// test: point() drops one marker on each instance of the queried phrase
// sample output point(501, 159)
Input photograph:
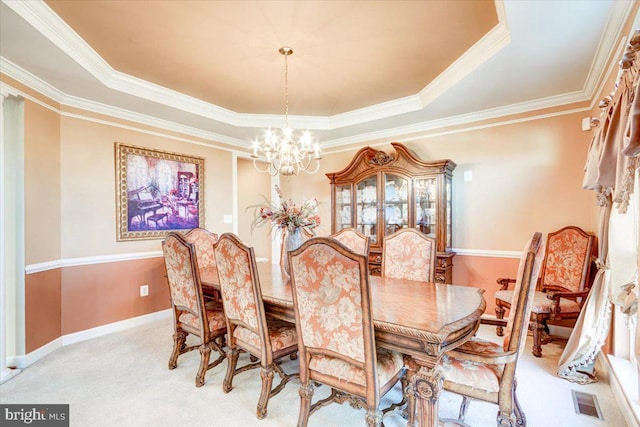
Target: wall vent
point(586, 404)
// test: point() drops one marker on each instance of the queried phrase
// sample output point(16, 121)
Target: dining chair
point(409, 254)
point(190, 313)
point(332, 305)
point(564, 283)
point(248, 327)
point(353, 239)
point(485, 370)
point(203, 241)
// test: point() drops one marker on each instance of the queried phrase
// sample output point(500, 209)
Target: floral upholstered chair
point(332, 305)
point(409, 254)
point(563, 286)
point(484, 370)
point(203, 241)
point(249, 329)
point(354, 240)
point(190, 314)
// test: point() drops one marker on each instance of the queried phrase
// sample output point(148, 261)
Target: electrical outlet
point(144, 290)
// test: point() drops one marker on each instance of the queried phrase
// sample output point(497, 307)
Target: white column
point(5, 372)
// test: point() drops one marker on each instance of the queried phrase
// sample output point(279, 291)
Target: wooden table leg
point(425, 385)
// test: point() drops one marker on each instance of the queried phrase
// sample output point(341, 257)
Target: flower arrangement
point(285, 214)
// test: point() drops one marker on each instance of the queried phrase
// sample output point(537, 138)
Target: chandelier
point(285, 151)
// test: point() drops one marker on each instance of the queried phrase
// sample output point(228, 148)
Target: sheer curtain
point(610, 171)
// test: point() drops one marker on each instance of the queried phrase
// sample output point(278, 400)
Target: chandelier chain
point(286, 90)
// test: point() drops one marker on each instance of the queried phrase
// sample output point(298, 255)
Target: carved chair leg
point(537, 328)
point(499, 315)
point(506, 420)
point(232, 361)
point(267, 380)
point(521, 420)
point(205, 354)
point(306, 394)
point(179, 339)
point(404, 383)
point(411, 400)
point(463, 408)
point(373, 417)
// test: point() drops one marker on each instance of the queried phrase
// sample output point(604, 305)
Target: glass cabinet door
point(425, 197)
point(343, 207)
point(396, 207)
point(366, 208)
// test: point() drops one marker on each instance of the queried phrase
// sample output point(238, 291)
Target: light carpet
point(122, 379)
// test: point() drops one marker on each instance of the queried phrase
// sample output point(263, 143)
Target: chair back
point(567, 261)
point(332, 305)
point(203, 241)
point(409, 254)
point(183, 278)
point(520, 313)
point(353, 239)
point(240, 288)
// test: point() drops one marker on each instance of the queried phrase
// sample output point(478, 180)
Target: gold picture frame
point(157, 192)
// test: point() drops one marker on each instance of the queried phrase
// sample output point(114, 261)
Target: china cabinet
point(379, 193)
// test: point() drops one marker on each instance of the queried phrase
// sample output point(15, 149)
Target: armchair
point(485, 370)
point(563, 286)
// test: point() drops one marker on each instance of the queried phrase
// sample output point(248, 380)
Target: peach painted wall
point(99, 294)
point(253, 187)
point(43, 308)
point(88, 186)
point(43, 312)
point(482, 272)
point(42, 183)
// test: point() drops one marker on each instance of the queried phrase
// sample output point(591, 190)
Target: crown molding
point(23, 76)
point(26, 78)
point(620, 12)
point(492, 113)
point(49, 24)
point(43, 19)
point(490, 44)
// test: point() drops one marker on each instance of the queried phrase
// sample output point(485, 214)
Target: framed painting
point(157, 192)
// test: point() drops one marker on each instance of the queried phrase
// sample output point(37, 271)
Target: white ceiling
point(541, 54)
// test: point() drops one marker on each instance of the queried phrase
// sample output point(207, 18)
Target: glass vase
point(292, 240)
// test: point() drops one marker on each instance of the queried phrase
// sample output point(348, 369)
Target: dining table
point(421, 320)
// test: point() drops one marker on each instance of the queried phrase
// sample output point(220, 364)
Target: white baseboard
point(623, 380)
point(22, 362)
point(6, 374)
point(114, 327)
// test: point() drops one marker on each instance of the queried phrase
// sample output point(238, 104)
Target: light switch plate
point(227, 219)
point(468, 175)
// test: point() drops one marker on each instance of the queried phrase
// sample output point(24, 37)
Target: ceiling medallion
point(286, 153)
